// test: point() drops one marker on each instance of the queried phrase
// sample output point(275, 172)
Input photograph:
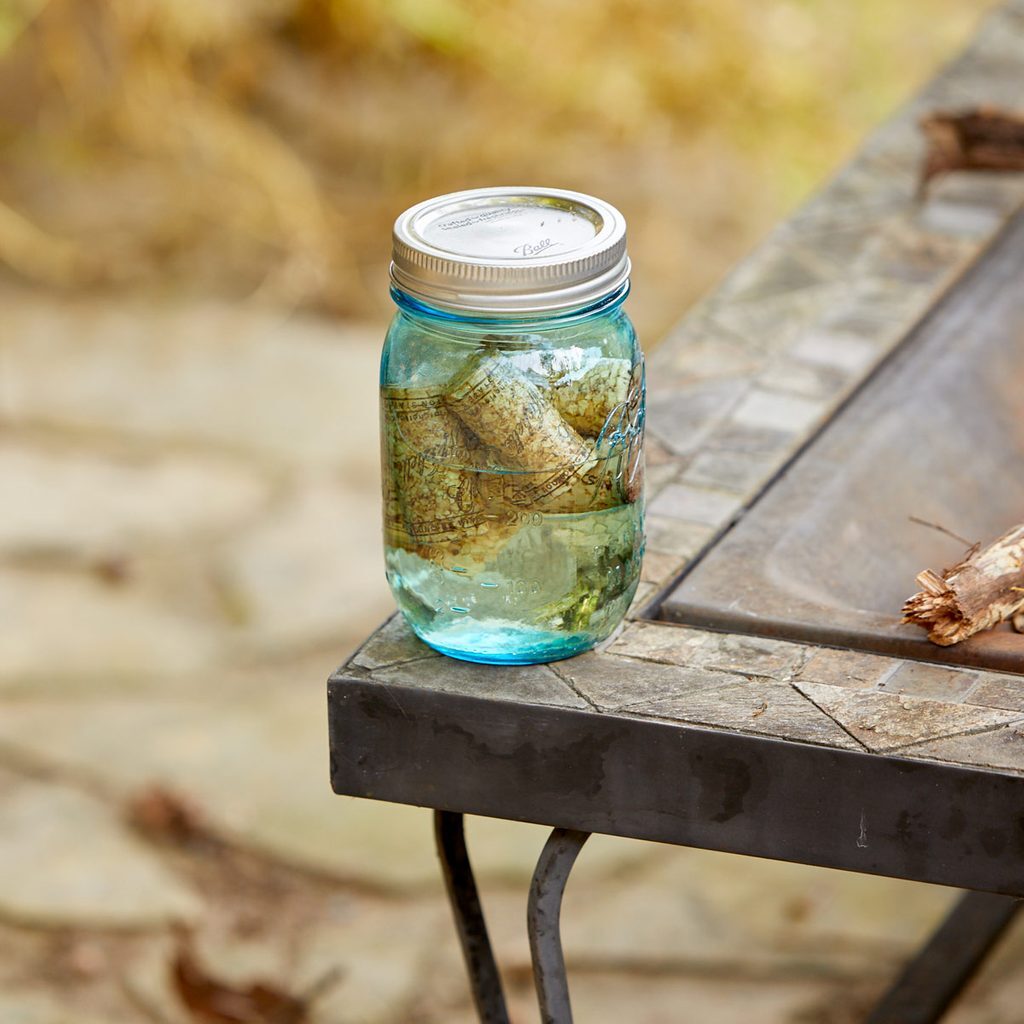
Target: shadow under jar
point(512, 414)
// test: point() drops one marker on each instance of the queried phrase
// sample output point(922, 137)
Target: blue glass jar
point(512, 413)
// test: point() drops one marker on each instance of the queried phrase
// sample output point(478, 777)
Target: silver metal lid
point(510, 250)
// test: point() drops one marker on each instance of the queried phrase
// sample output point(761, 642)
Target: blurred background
point(195, 208)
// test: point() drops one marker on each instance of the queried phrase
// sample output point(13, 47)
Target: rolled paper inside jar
point(586, 488)
point(429, 427)
point(510, 414)
point(585, 402)
point(435, 501)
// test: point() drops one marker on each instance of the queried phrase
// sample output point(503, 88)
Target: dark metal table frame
point(925, 990)
point(732, 792)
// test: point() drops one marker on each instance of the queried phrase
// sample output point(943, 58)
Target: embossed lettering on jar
point(512, 416)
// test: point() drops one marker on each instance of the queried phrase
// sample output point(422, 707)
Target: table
point(743, 722)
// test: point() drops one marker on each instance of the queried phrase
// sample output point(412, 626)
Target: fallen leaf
point(165, 815)
point(211, 1000)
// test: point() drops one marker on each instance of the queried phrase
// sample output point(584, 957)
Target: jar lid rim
point(515, 249)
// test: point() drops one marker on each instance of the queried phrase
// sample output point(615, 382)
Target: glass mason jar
point(512, 416)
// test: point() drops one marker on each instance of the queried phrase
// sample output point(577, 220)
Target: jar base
point(506, 645)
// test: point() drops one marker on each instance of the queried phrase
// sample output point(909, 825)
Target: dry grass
point(264, 146)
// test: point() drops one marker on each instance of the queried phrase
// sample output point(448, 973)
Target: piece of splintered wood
point(982, 139)
point(978, 593)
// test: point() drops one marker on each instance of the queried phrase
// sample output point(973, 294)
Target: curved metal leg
point(543, 922)
point(484, 979)
point(936, 976)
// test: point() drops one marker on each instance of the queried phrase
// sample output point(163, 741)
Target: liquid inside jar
point(513, 487)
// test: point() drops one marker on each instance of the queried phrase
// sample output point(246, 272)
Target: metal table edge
point(681, 784)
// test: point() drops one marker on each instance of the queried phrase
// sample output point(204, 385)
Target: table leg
point(484, 979)
point(543, 922)
point(934, 978)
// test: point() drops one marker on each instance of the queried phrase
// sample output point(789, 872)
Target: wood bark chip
point(979, 592)
point(981, 139)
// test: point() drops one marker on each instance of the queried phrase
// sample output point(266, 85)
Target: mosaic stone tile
point(876, 326)
point(846, 353)
point(393, 643)
point(884, 721)
point(528, 684)
point(613, 682)
point(681, 421)
point(758, 706)
point(702, 361)
point(905, 254)
point(843, 207)
point(659, 566)
point(661, 641)
point(836, 246)
point(849, 669)
point(682, 645)
point(696, 504)
point(775, 411)
point(884, 175)
point(737, 437)
point(962, 219)
point(701, 350)
point(916, 679)
point(774, 321)
point(904, 304)
point(984, 75)
point(992, 691)
point(780, 271)
point(656, 454)
point(657, 478)
point(751, 655)
point(1001, 748)
point(668, 534)
point(897, 141)
point(740, 472)
point(795, 378)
